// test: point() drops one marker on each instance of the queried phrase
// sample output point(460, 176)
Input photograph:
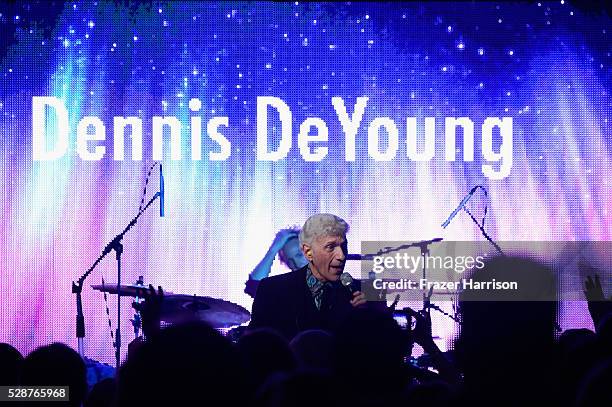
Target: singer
point(312, 296)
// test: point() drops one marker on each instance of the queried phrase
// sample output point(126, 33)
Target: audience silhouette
point(509, 352)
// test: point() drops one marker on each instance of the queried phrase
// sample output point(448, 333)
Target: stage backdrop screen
point(262, 114)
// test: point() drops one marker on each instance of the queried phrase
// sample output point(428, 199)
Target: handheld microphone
point(161, 191)
point(461, 205)
point(347, 281)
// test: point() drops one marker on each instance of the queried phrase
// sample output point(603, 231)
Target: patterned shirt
point(317, 287)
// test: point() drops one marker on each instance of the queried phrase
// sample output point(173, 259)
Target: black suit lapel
point(307, 314)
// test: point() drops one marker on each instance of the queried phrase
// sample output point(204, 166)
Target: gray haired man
point(312, 296)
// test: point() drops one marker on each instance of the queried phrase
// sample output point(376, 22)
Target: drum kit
point(226, 317)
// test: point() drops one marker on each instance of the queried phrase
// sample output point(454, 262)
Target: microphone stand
point(484, 233)
point(427, 296)
point(77, 288)
point(370, 256)
point(463, 205)
point(424, 246)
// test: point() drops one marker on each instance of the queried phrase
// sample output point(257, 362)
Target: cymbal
point(216, 312)
point(128, 290)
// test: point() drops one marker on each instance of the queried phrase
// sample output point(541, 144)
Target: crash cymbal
point(131, 290)
point(216, 312)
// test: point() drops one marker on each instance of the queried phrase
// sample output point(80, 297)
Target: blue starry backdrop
point(546, 65)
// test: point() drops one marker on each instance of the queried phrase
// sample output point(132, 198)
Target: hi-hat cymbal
point(216, 312)
point(128, 290)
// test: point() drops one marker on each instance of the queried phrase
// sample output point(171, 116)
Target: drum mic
point(161, 191)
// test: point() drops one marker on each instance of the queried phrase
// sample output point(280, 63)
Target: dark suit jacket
point(285, 303)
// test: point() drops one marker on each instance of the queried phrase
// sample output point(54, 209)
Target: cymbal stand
point(77, 288)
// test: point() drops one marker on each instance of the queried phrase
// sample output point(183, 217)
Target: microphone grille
point(346, 279)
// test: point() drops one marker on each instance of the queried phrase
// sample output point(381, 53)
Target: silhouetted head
point(102, 394)
point(264, 352)
point(604, 336)
point(313, 349)
point(185, 362)
point(436, 393)
point(11, 362)
point(57, 365)
point(578, 354)
point(595, 388)
point(520, 318)
point(504, 333)
point(369, 345)
point(302, 389)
